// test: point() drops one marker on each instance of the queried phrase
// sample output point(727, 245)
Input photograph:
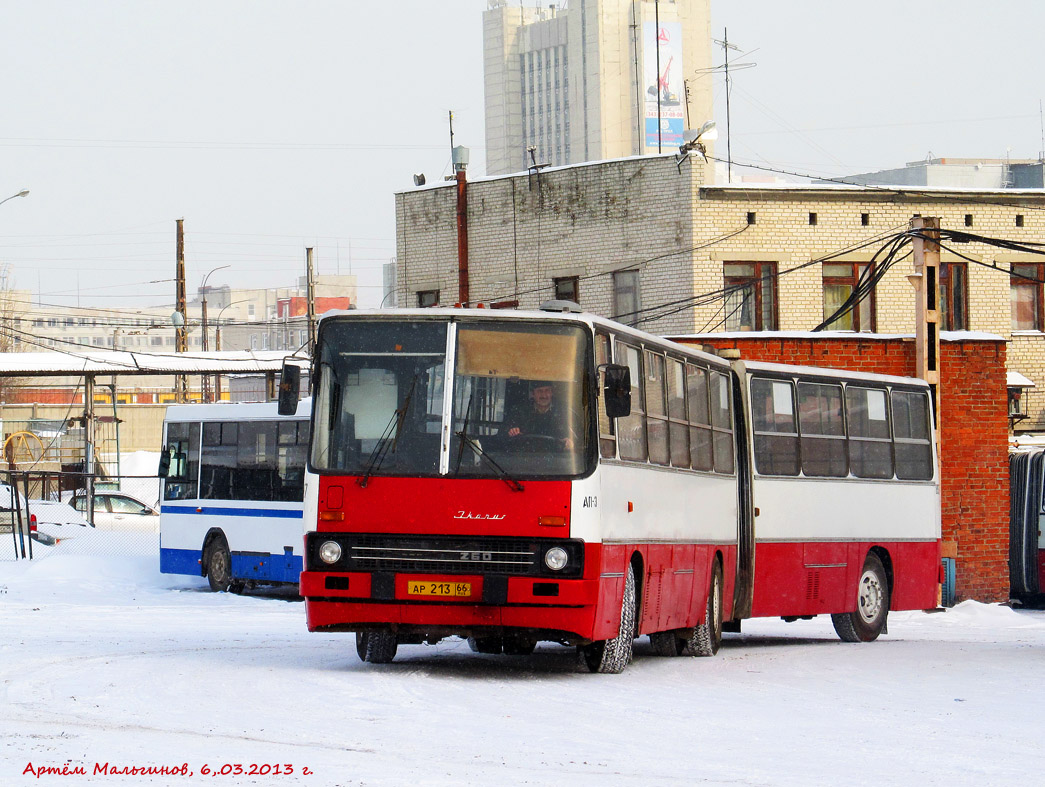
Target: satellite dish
point(419, 179)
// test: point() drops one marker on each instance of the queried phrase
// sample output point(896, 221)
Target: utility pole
point(460, 159)
point(926, 280)
point(181, 343)
point(310, 294)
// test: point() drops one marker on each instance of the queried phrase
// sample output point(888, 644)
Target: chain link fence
point(52, 513)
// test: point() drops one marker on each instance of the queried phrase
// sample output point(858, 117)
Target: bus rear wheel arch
point(873, 594)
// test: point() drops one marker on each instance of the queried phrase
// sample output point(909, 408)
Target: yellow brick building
point(644, 240)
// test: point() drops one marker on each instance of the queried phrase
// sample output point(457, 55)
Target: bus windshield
point(519, 404)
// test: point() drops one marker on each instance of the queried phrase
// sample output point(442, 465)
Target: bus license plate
point(443, 589)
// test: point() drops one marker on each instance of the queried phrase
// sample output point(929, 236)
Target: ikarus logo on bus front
point(470, 515)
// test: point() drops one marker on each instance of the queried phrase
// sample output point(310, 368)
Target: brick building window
point(427, 298)
point(626, 297)
point(567, 288)
point(840, 280)
point(1025, 296)
point(751, 302)
point(954, 296)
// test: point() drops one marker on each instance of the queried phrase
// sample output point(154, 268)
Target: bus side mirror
point(165, 465)
point(617, 390)
point(289, 389)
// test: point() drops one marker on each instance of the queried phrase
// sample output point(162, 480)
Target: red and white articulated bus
point(515, 477)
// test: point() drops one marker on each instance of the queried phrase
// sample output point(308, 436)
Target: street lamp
point(22, 193)
point(203, 309)
point(217, 343)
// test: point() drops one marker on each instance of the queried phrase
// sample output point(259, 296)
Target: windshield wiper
point(503, 474)
point(462, 435)
point(387, 440)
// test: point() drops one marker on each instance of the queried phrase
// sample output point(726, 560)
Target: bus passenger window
point(678, 431)
point(870, 448)
point(914, 458)
point(699, 418)
point(631, 431)
point(722, 423)
point(656, 414)
point(773, 422)
point(823, 430)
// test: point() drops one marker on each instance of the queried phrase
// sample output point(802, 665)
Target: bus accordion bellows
point(515, 477)
point(234, 481)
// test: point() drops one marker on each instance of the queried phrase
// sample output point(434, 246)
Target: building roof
point(53, 364)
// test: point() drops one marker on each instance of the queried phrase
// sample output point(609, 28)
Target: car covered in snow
point(49, 520)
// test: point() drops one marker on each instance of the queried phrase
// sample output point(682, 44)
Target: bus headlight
point(330, 552)
point(556, 558)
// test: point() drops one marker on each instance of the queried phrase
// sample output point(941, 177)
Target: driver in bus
point(544, 418)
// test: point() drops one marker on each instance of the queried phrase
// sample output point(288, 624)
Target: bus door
point(744, 587)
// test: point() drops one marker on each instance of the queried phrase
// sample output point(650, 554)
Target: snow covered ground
point(104, 660)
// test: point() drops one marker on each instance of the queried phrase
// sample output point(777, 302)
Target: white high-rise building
point(588, 80)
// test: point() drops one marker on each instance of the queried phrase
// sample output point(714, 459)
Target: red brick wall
point(974, 466)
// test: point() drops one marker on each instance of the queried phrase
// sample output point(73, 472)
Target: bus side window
point(773, 422)
point(699, 418)
point(722, 423)
point(607, 437)
point(823, 430)
point(656, 412)
point(678, 430)
point(631, 431)
point(914, 458)
point(870, 446)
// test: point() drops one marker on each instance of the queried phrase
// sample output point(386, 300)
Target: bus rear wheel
point(872, 605)
point(376, 647)
point(611, 656)
point(218, 562)
point(707, 637)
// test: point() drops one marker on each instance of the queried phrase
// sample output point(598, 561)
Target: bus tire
point(872, 605)
point(218, 563)
point(381, 647)
point(488, 645)
point(708, 635)
point(611, 656)
point(667, 643)
point(519, 645)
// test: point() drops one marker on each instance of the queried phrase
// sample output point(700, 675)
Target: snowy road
point(104, 660)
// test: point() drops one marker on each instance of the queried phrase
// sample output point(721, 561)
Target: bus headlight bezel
point(556, 559)
point(329, 552)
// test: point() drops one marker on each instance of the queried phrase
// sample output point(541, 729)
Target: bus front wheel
point(872, 605)
point(218, 562)
point(376, 647)
point(611, 656)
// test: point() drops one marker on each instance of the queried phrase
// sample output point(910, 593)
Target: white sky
point(269, 126)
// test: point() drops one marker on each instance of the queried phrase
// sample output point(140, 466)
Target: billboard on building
point(665, 84)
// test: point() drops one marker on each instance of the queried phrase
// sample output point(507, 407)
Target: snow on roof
point(1017, 380)
point(51, 364)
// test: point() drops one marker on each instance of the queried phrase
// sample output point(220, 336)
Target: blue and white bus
point(233, 493)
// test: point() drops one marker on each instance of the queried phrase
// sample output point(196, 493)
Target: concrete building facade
point(584, 82)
